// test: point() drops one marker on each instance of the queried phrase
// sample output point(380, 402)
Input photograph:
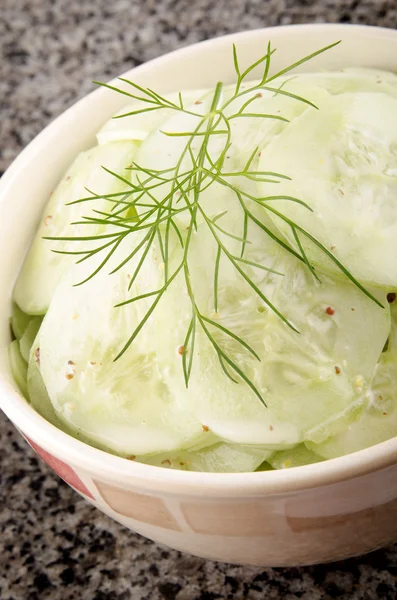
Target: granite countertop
point(53, 544)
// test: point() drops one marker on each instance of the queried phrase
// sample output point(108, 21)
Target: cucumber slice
point(348, 175)
point(40, 399)
point(378, 422)
point(219, 458)
point(295, 457)
point(138, 126)
point(30, 333)
point(19, 321)
point(43, 268)
point(122, 405)
point(38, 394)
point(18, 367)
point(352, 80)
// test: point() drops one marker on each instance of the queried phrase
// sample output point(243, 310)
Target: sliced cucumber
point(29, 336)
point(295, 457)
point(316, 383)
point(123, 405)
point(43, 268)
point(219, 458)
point(347, 174)
point(19, 321)
point(137, 126)
point(38, 394)
point(18, 367)
point(40, 399)
point(352, 80)
point(378, 422)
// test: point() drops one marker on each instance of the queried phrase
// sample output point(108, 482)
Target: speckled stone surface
point(53, 544)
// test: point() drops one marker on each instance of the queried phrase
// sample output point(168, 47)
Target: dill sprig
point(155, 199)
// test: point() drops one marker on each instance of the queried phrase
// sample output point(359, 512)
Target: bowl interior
point(25, 188)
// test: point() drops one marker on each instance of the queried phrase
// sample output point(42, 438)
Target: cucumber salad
point(212, 286)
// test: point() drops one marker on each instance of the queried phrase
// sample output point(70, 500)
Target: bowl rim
point(115, 468)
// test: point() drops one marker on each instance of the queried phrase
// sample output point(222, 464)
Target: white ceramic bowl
point(309, 514)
